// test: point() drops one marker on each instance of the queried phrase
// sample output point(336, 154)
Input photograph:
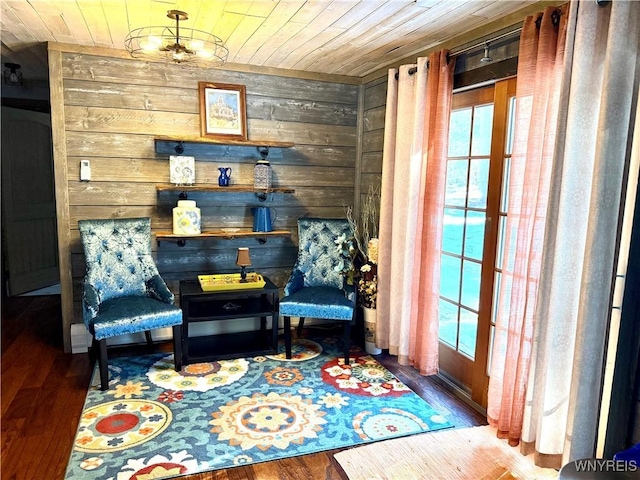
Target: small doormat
point(155, 422)
point(463, 453)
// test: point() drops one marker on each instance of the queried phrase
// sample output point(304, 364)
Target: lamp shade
point(243, 259)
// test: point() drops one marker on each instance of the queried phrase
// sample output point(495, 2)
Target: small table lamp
point(243, 260)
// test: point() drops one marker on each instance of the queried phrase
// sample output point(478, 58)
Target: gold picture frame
point(223, 110)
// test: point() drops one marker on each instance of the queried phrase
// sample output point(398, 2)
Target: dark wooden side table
point(200, 306)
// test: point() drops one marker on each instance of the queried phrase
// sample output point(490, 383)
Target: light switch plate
point(85, 170)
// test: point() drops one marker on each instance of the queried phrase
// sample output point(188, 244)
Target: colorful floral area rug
point(155, 422)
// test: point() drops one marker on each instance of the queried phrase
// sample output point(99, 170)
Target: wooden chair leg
point(347, 341)
point(147, 336)
point(300, 326)
point(102, 363)
point(177, 347)
point(287, 336)
point(94, 351)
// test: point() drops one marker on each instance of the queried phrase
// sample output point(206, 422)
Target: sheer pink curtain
point(541, 54)
point(598, 104)
point(413, 177)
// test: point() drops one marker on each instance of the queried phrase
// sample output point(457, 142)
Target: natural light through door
point(473, 227)
point(465, 215)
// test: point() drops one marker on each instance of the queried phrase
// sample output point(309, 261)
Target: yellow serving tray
point(230, 281)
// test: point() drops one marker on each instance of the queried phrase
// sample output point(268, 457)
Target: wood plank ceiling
point(343, 37)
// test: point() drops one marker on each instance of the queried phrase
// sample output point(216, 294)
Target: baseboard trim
point(461, 393)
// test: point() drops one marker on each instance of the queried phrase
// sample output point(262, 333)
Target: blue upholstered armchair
point(123, 292)
point(316, 287)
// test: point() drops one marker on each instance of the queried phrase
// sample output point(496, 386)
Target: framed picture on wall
point(223, 110)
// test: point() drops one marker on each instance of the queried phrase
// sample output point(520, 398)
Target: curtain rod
point(455, 53)
point(555, 18)
point(413, 70)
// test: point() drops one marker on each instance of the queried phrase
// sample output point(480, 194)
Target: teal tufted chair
point(316, 287)
point(123, 292)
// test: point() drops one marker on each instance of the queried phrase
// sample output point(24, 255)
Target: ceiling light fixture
point(486, 58)
point(184, 46)
point(12, 74)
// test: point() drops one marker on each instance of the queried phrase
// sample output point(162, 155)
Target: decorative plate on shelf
point(182, 170)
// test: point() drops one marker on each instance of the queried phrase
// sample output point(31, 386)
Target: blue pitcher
point(262, 221)
point(225, 176)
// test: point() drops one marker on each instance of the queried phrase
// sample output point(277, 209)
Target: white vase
point(370, 319)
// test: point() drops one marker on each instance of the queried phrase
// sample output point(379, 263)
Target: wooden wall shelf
point(216, 189)
point(261, 193)
point(262, 145)
point(224, 141)
point(181, 239)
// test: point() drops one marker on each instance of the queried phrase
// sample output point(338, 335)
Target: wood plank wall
point(375, 99)
point(108, 111)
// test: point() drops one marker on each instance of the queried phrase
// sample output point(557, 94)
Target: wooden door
point(477, 168)
point(30, 252)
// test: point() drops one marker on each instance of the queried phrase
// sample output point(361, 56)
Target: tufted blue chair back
point(319, 258)
point(118, 256)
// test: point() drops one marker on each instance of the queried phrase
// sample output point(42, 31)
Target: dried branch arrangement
point(367, 228)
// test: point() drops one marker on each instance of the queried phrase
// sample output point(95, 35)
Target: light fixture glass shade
point(177, 44)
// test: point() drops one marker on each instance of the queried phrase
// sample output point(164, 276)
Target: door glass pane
point(490, 356)
point(450, 277)
point(503, 295)
point(506, 173)
point(452, 230)
point(510, 125)
point(498, 335)
point(448, 318)
point(503, 245)
point(474, 235)
point(456, 189)
point(460, 133)
point(496, 291)
point(502, 224)
point(470, 284)
point(468, 332)
point(482, 127)
point(478, 183)
point(511, 239)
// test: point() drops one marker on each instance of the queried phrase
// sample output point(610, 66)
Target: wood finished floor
point(43, 391)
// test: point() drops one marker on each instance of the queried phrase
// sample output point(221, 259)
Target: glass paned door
point(475, 164)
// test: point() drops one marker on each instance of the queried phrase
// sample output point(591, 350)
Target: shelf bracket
point(183, 195)
point(263, 151)
point(262, 196)
point(179, 148)
point(180, 243)
point(261, 240)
